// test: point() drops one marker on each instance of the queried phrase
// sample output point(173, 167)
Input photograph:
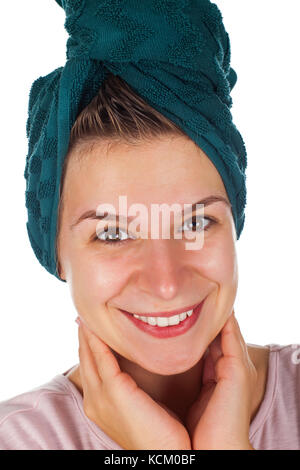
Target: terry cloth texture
point(175, 54)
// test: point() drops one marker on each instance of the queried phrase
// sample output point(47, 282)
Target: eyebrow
point(91, 214)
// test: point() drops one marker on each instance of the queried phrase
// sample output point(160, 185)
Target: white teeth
point(162, 321)
point(182, 315)
point(165, 321)
point(175, 320)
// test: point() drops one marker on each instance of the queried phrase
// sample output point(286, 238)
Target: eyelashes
point(121, 241)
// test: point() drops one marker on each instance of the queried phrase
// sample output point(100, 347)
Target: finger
point(88, 369)
point(106, 363)
point(232, 341)
point(245, 353)
point(215, 348)
point(239, 333)
point(208, 373)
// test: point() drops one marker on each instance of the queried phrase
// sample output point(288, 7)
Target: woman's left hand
point(220, 417)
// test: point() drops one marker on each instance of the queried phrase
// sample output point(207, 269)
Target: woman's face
point(148, 274)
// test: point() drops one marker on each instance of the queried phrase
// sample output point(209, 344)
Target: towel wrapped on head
point(175, 54)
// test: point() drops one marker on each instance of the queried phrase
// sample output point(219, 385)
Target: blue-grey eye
point(197, 223)
point(116, 236)
point(113, 235)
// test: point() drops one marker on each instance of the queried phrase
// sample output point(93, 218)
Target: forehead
point(157, 171)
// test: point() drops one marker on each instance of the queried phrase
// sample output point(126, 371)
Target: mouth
point(165, 314)
point(166, 324)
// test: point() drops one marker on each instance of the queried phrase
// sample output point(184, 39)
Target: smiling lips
point(163, 314)
point(166, 324)
point(165, 321)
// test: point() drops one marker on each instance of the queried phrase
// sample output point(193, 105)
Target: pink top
point(51, 416)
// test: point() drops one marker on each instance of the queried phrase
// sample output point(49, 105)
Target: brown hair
point(115, 114)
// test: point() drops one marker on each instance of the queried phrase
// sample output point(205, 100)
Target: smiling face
point(148, 275)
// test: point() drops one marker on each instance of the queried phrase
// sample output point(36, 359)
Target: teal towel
point(174, 53)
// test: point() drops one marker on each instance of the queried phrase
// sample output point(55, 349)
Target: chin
point(168, 367)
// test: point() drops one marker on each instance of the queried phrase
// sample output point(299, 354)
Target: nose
point(164, 272)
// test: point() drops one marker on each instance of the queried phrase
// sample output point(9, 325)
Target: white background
point(38, 335)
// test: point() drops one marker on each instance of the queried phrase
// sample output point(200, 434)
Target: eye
point(196, 224)
point(112, 236)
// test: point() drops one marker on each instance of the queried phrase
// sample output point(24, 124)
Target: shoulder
point(289, 354)
point(259, 355)
point(276, 425)
point(286, 360)
point(30, 420)
point(280, 358)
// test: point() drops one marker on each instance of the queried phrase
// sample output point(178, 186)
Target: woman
point(113, 271)
point(143, 383)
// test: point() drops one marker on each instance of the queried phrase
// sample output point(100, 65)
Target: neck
point(177, 392)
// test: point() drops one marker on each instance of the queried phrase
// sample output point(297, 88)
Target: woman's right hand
point(113, 400)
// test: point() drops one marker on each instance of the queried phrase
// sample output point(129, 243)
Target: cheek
point(96, 279)
point(217, 260)
point(218, 264)
point(226, 261)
